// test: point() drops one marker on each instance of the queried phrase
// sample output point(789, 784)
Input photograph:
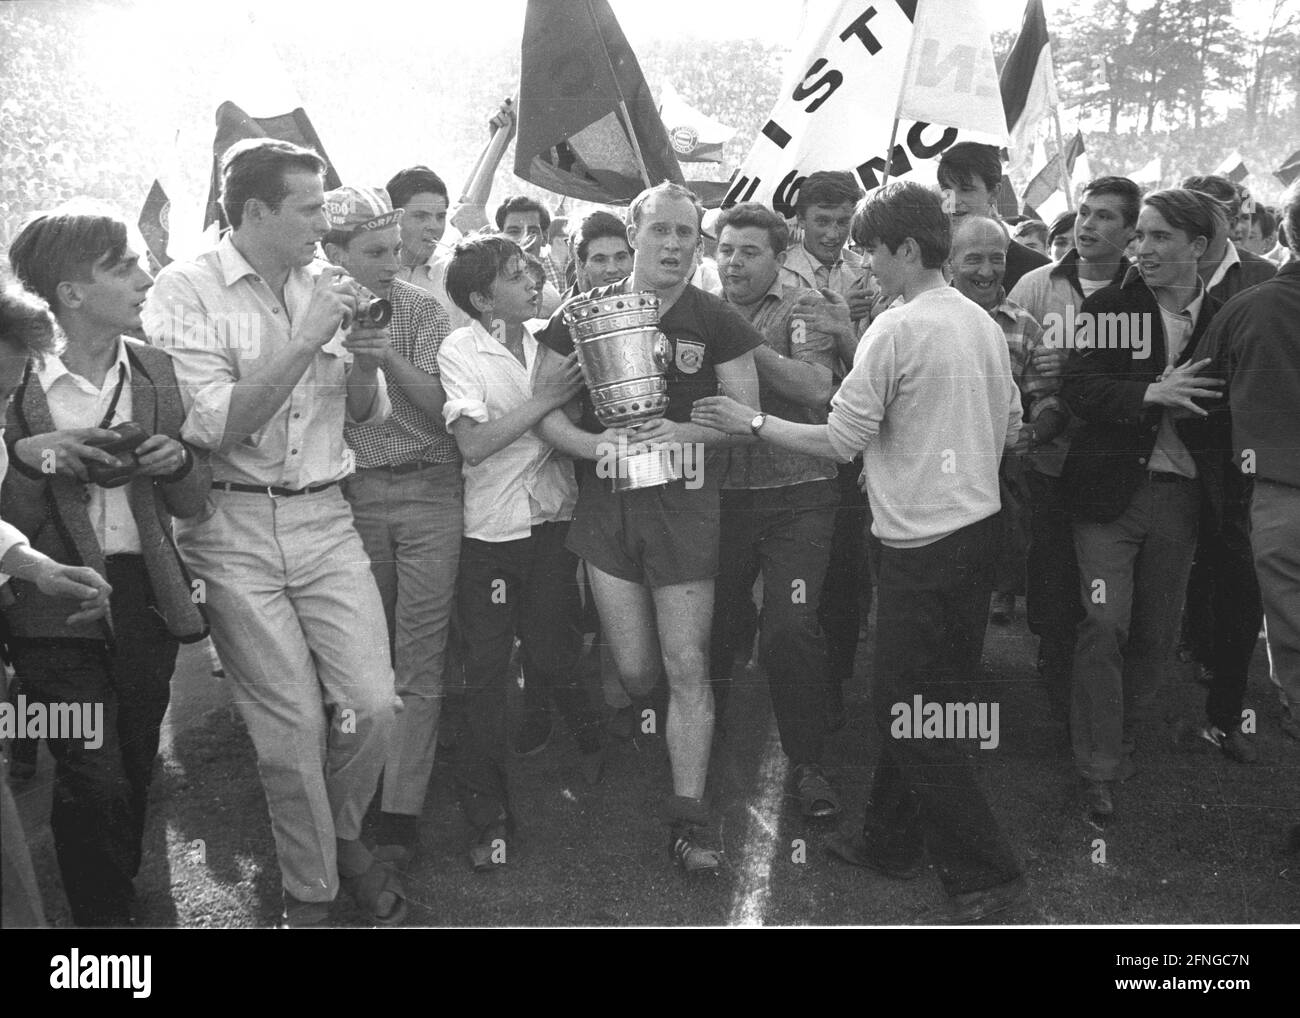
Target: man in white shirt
point(254, 329)
point(932, 401)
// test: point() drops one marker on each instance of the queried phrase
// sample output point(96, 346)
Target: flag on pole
point(1233, 167)
point(695, 137)
point(950, 76)
point(154, 223)
point(835, 109)
point(1289, 170)
point(588, 126)
point(1028, 86)
point(1046, 183)
point(233, 125)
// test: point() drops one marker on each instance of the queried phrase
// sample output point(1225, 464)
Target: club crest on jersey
point(689, 356)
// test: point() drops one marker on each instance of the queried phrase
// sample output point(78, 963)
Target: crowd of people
point(376, 469)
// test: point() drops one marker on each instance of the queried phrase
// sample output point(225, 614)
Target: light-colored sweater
point(932, 403)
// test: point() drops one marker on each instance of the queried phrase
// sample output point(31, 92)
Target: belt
point(401, 468)
point(259, 489)
point(1165, 477)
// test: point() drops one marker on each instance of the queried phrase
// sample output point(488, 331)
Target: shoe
point(1095, 797)
point(534, 734)
point(378, 894)
point(974, 906)
point(490, 852)
point(852, 849)
point(1004, 607)
point(817, 797)
point(692, 857)
point(303, 915)
point(1235, 744)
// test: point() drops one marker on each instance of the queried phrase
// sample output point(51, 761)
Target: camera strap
point(117, 394)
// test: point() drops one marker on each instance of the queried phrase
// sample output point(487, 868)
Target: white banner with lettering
point(837, 106)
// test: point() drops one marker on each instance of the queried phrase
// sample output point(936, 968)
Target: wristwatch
point(757, 423)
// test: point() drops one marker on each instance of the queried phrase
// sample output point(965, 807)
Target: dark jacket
point(1020, 260)
point(1105, 388)
point(1250, 271)
point(51, 509)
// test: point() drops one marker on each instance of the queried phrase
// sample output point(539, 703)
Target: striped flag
point(1028, 85)
point(588, 126)
point(1290, 169)
point(1047, 181)
point(233, 125)
point(695, 137)
point(1233, 167)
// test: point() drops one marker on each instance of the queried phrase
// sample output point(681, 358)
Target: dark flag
point(154, 226)
point(1028, 84)
point(233, 125)
point(1233, 167)
point(588, 126)
point(1289, 170)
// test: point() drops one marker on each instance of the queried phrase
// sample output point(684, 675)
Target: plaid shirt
point(1024, 335)
point(409, 435)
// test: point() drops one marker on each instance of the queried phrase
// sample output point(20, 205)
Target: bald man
point(978, 260)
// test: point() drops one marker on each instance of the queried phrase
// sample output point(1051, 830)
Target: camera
point(373, 311)
point(130, 436)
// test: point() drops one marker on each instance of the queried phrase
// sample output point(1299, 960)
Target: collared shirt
point(77, 403)
point(525, 483)
point(800, 268)
point(1230, 258)
point(220, 321)
point(417, 330)
point(764, 465)
point(1170, 455)
point(1024, 335)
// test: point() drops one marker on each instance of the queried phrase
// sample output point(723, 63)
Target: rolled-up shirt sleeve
point(204, 360)
point(380, 407)
point(462, 383)
point(858, 408)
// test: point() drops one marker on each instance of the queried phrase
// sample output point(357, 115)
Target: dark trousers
point(846, 594)
point(1052, 605)
point(1009, 565)
point(526, 588)
point(931, 616)
point(1226, 601)
point(786, 534)
point(100, 795)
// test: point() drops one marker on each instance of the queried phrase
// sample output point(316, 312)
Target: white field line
point(760, 845)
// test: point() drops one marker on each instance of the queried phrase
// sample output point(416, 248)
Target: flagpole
point(1066, 186)
point(889, 153)
point(622, 102)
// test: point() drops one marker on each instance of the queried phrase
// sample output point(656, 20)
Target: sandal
point(373, 890)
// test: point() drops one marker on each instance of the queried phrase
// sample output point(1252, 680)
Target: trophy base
point(648, 469)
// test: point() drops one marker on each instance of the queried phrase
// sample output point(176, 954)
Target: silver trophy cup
point(623, 357)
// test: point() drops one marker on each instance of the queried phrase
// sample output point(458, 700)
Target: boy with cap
point(405, 498)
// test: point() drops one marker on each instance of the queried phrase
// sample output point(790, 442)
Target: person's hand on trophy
point(556, 379)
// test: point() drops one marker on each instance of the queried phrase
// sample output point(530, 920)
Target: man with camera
point(270, 381)
point(99, 470)
point(405, 497)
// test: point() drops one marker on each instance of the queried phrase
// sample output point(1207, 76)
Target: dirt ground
point(1196, 837)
